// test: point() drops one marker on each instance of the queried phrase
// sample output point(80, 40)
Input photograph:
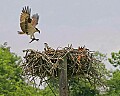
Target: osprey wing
point(25, 14)
point(35, 19)
point(25, 19)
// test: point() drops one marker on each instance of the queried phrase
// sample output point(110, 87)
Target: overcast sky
point(93, 23)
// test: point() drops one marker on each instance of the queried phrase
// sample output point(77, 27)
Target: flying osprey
point(28, 24)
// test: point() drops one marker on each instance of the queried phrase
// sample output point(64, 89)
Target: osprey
point(28, 24)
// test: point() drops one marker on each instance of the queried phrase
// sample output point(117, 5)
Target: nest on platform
point(80, 63)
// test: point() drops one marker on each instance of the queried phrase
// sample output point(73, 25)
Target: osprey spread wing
point(28, 24)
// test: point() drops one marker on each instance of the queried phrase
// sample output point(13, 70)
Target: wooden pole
point(63, 85)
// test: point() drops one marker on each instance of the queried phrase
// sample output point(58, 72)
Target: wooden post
point(63, 85)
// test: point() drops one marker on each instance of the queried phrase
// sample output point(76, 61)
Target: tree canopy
point(114, 82)
point(11, 80)
point(115, 59)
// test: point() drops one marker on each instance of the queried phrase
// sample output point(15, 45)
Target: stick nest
point(80, 62)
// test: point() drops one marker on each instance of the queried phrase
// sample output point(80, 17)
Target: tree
point(11, 80)
point(115, 59)
point(114, 82)
point(80, 87)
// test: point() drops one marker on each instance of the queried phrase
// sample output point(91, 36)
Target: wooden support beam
point(63, 85)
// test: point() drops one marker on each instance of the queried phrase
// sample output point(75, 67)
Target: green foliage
point(114, 84)
point(80, 87)
point(11, 81)
point(115, 59)
point(48, 92)
point(100, 56)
